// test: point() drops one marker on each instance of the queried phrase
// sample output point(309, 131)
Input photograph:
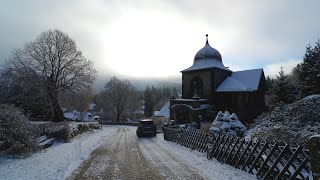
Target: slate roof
point(206, 64)
point(247, 80)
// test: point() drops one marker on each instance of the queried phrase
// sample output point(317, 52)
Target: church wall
point(247, 105)
point(187, 78)
point(217, 77)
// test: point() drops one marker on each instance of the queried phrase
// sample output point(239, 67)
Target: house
point(155, 113)
point(164, 111)
point(78, 116)
point(209, 82)
point(87, 115)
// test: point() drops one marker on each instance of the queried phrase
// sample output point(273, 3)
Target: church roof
point(241, 81)
point(207, 57)
point(208, 52)
point(206, 64)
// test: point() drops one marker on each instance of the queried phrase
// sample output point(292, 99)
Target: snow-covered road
point(117, 153)
point(125, 156)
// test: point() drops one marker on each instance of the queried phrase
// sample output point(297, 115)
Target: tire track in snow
point(136, 165)
point(168, 165)
point(100, 164)
point(119, 158)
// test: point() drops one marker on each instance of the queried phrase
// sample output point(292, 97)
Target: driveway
point(125, 156)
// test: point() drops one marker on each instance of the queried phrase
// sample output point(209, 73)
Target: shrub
point(79, 128)
point(17, 135)
point(57, 130)
point(293, 123)
point(228, 124)
point(94, 125)
point(64, 130)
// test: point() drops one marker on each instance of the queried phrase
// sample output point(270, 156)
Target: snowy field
point(60, 160)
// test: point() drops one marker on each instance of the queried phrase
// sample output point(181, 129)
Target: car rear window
point(146, 122)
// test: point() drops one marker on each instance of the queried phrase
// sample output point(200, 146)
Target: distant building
point(164, 111)
point(209, 82)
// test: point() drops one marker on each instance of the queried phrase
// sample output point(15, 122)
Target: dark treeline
point(156, 97)
point(304, 80)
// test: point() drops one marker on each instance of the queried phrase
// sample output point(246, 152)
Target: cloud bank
point(160, 38)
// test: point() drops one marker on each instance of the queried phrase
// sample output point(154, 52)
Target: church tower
point(207, 72)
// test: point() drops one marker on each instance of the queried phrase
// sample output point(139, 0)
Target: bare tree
point(54, 57)
point(117, 94)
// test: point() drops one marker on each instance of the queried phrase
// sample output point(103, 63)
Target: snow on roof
point(165, 110)
point(155, 113)
point(92, 105)
point(206, 64)
point(190, 100)
point(139, 112)
point(68, 115)
point(241, 81)
point(204, 105)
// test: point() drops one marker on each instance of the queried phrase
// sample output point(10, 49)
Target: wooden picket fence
point(264, 159)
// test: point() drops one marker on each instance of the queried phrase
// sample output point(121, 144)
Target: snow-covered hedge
point(53, 129)
point(227, 124)
point(66, 130)
point(17, 135)
point(293, 123)
point(78, 128)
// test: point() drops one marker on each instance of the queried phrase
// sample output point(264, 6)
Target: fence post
point(314, 148)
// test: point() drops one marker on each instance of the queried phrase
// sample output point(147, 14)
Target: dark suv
point(146, 127)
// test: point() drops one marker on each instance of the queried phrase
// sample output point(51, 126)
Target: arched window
point(197, 86)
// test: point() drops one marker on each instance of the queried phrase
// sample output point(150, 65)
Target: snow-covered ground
point(57, 161)
point(61, 159)
point(208, 169)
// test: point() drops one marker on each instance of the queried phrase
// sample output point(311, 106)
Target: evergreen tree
point(270, 84)
point(295, 77)
point(163, 91)
point(174, 92)
point(148, 102)
point(281, 88)
point(309, 73)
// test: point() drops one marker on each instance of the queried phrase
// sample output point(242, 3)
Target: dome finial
point(207, 39)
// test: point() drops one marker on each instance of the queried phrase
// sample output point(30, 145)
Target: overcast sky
point(159, 38)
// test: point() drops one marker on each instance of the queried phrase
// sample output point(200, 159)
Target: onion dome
point(207, 58)
point(208, 52)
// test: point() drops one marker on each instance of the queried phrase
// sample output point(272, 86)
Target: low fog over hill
point(142, 83)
